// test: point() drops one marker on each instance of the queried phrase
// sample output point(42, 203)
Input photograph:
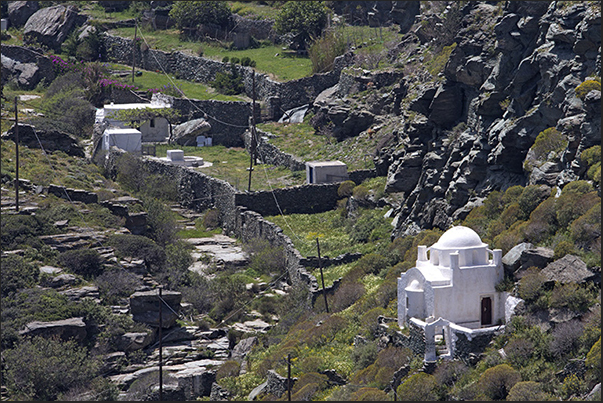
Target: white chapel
point(454, 280)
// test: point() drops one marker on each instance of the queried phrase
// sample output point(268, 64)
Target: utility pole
point(324, 292)
point(253, 132)
point(289, 377)
point(134, 49)
point(16, 157)
point(160, 345)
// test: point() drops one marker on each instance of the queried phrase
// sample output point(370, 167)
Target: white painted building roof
point(459, 237)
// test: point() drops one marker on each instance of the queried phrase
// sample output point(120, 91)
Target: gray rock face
point(73, 328)
point(49, 140)
point(537, 257)
point(20, 11)
point(144, 306)
point(50, 26)
point(128, 342)
point(25, 67)
point(403, 13)
point(568, 269)
point(186, 133)
point(512, 259)
point(243, 347)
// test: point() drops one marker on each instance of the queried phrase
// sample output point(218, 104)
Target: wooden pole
point(134, 49)
point(322, 278)
point(16, 157)
point(160, 345)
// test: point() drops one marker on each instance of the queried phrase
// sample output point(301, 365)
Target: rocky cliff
point(512, 70)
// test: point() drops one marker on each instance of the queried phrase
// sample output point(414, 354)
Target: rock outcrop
point(186, 133)
point(145, 305)
point(27, 67)
point(20, 11)
point(50, 26)
point(48, 140)
point(73, 328)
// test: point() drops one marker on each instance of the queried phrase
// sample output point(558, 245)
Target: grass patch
point(299, 139)
point(151, 79)
point(282, 65)
point(332, 273)
point(231, 164)
point(253, 10)
point(198, 233)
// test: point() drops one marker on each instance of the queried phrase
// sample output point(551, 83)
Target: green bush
point(161, 221)
point(324, 50)
point(212, 219)
point(369, 395)
point(527, 391)
point(531, 284)
point(16, 274)
point(191, 14)
point(138, 246)
point(116, 285)
point(245, 61)
point(593, 360)
point(571, 296)
point(265, 258)
point(364, 355)
point(225, 59)
point(531, 197)
point(564, 248)
point(303, 20)
point(40, 368)
point(418, 387)
point(586, 229)
point(588, 86)
point(18, 230)
point(346, 188)
point(85, 262)
point(496, 382)
point(229, 83)
point(592, 157)
point(576, 199)
point(228, 368)
point(549, 140)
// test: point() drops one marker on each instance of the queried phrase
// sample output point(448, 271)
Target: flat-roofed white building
point(127, 139)
point(154, 130)
point(326, 171)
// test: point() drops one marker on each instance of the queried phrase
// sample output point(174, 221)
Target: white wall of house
point(326, 171)
point(156, 130)
point(127, 139)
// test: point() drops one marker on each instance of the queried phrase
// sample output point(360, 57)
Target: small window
point(152, 123)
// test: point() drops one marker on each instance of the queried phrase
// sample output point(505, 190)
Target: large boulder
point(403, 13)
point(49, 140)
point(186, 133)
point(512, 259)
point(25, 67)
point(144, 306)
point(568, 269)
point(50, 26)
point(128, 342)
point(447, 105)
point(538, 257)
point(20, 11)
point(72, 328)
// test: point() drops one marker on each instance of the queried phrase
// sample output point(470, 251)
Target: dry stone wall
point(279, 96)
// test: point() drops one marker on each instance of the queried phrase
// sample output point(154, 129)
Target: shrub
point(364, 355)
point(511, 214)
point(16, 274)
point(586, 229)
point(512, 194)
point(40, 368)
point(418, 387)
point(307, 385)
point(527, 391)
point(189, 15)
point(347, 293)
point(496, 382)
point(593, 360)
point(85, 262)
point(531, 197)
point(519, 351)
point(360, 192)
point(448, 373)
point(303, 20)
point(563, 248)
point(547, 141)
point(572, 385)
point(225, 59)
point(592, 158)
point(588, 86)
point(114, 285)
point(245, 60)
point(565, 338)
point(229, 83)
point(141, 247)
point(346, 188)
point(572, 296)
point(211, 219)
point(324, 50)
point(369, 321)
point(265, 258)
point(369, 395)
point(576, 199)
point(228, 368)
point(161, 221)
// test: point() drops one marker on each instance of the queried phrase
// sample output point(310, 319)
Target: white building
point(128, 139)
point(155, 130)
point(455, 282)
point(326, 171)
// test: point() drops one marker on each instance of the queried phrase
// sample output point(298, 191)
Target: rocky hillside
point(454, 134)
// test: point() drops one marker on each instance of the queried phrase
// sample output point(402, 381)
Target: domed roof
point(459, 237)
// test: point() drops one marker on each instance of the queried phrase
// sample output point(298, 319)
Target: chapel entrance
point(486, 311)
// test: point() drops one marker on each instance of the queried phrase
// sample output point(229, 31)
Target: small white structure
point(155, 130)
point(127, 139)
point(177, 157)
point(203, 141)
point(455, 282)
point(326, 171)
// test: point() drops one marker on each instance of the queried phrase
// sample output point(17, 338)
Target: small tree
point(189, 15)
point(418, 387)
point(496, 382)
point(302, 20)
